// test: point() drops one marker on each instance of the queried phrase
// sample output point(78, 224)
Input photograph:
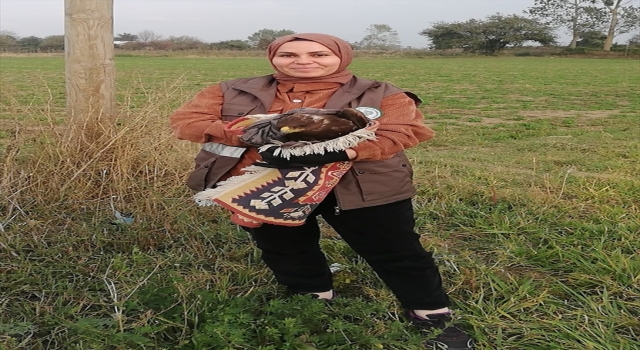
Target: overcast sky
point(217, 20)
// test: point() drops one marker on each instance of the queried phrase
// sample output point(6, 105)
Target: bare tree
point(8, 40)
point(149, 36)
point(577, 16)
point(9, 34)
point(624, 18)
point(186, 42)
point(380, 37)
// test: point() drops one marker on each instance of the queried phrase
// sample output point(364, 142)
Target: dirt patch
point(568, 114)
point(456, 111)
point(489, 117)
point(488, 121)
point(531, 172)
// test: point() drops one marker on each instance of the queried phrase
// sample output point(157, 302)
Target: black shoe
point(450, 337)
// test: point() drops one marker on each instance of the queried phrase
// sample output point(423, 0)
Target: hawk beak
point(288, 130)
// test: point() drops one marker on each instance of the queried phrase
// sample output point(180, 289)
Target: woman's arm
point(199, 119)
point(401, 127)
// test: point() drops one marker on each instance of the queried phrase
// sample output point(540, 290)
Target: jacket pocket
point(385, 179)
point(209, 168)
point(232, 111)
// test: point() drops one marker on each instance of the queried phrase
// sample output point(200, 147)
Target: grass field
point(529, 196)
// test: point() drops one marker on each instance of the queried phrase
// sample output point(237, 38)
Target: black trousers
point(383, 235)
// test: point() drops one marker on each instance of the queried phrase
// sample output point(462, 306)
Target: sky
point(217, 20)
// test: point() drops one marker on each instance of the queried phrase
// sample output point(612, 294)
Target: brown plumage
point(321, 125)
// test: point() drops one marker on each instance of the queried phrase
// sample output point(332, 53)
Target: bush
point(578, 50)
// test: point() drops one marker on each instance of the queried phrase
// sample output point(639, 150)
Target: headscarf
point(339, 47)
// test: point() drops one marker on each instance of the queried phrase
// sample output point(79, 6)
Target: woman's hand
point(352, 154)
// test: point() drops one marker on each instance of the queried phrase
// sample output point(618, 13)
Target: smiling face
point(305, 59)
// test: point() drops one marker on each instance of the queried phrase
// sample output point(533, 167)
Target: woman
point(370, 208)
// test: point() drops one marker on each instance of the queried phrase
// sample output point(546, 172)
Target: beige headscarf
point(338, 46)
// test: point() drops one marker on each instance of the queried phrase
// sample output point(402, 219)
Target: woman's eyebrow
point(295, 53)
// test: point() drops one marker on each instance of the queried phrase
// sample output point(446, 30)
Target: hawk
point(299, 125)
point(319, 124)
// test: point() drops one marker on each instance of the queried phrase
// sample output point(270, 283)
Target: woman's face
point(305, 59)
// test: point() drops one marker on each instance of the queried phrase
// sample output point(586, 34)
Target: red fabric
point(283, 197)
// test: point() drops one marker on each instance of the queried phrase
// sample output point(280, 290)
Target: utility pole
point(89, 66)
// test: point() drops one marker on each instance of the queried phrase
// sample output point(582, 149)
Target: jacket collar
point(264, 88)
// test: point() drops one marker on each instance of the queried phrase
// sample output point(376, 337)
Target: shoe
point(312, 295)
point(451, 337)
point(315, 296)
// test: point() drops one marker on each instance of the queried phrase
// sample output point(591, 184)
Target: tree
point(634, 41)
point(126, 37)
point(31, 43)
point(623, 18)
point(380, 37)
point(446, 36)
point(149, 36)
point(577, 16)
point(262, 38)
point(52, 42)
point(490, 35)
point(612, 17)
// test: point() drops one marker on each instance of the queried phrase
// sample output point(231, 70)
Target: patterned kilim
point(275, 196)
point(283, 197)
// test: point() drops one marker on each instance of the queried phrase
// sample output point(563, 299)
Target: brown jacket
point(375, 178)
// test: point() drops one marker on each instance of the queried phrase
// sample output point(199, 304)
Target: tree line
point(378, 37)
point(590, 23)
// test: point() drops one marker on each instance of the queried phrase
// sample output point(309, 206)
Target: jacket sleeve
point(401, 127)
point(199, 120)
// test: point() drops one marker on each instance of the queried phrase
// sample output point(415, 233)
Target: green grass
point(528, 195)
